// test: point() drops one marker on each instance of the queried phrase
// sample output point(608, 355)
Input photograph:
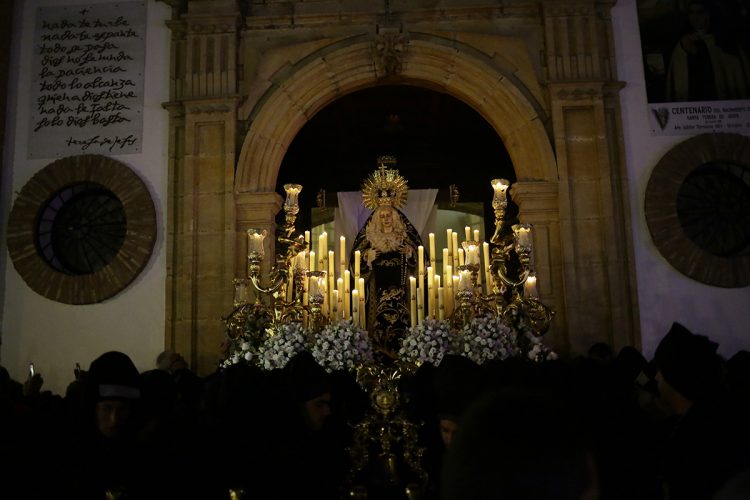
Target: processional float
point(310, 300)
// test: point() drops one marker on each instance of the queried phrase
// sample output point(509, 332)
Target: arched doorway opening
point(438, 140)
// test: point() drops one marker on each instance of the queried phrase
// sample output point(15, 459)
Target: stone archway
point(244, 82)
point(346, 66)
point(301, 90)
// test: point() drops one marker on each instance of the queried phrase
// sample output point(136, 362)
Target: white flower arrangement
point(342, 346)
point(537, 351)
point(282, 344)
point(245, 346)
point(427, 343)
point(486, 338)
point(240, 350)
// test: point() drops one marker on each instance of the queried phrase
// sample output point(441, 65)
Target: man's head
point(687, 365)
point(170, 361)
point(310, 388)
point(114, 385)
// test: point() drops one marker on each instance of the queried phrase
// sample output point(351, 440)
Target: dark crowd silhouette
point(602, 426)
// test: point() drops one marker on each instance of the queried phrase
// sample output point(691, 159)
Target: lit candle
point(472, 254)
point(312, 260)
point(433, 254)
point(467, 232)
point(476, 235)
point(461, 258)
point(523, 235)
point(307, 238)
point(255, 239)
point(529, 287)
point(500, 186)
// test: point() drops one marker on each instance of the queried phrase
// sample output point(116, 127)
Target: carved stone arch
point(304, 88)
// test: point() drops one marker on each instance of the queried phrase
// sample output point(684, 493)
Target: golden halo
point(385, 186)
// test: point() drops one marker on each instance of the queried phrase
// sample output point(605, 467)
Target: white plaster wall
point(664, 294)
point(56, 336)
point(52, 335)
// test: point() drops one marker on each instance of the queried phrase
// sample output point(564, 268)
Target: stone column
point(594, 229)
point(538, 205)
point(201, 231)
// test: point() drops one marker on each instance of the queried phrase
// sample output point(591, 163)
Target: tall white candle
point(420, 259)
point(347, 294)
point(322, 250)
point(476, 235)
point(467, 232)
point(433, 255)
point(355, 307)
point(454, 249)
point(312, 260)
point(461, 259)
point(431, 306)
point(357, 259)
point(340, 296)
point(451, 292)
point(413, 300)
point(335, 305)
point(331, 277)
point(441, 303)
point(342, 255)
point(420, 307)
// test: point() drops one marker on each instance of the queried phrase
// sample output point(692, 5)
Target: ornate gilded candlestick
point(499, 204)
point(291, 207)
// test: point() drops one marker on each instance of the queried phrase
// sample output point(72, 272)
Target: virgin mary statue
point(388, 244)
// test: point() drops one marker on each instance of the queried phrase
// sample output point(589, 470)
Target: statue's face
point(386, 219)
